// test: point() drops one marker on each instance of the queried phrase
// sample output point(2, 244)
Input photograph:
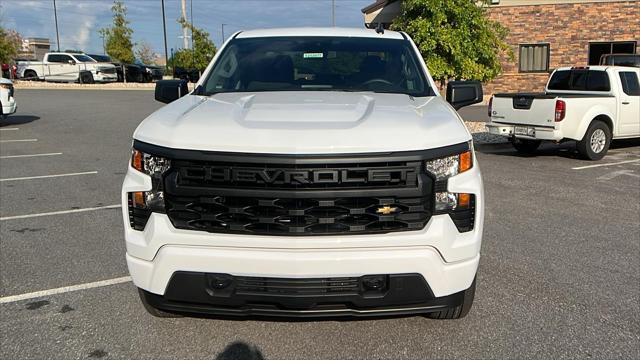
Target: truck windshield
point(318, 64)
point(83, 58)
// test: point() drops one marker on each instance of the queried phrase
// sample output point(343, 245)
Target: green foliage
point(118, 37)
point(201, 54)
point(455, 37)
point(9, 44)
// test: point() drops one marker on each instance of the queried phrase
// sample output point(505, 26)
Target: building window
point(597, 49)
point(534, 58)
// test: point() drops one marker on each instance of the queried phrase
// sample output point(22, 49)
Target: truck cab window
point(630, 83)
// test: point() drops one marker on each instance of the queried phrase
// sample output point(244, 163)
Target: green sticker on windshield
point(312, 55)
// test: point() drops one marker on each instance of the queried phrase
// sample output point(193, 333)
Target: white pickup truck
point(312, 172)
point(67, 67)
point(591, 105)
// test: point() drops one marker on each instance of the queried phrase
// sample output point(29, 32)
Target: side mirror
point(71, 62)
point(464, 93)
point(171, 90)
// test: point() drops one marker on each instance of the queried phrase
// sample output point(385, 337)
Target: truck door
point(629, 103)
point(62, 67)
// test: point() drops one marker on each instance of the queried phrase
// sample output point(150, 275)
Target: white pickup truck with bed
point(67, 67)
point(590, 105)
point(312, 172)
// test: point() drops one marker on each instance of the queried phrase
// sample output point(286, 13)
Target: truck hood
point(305, 122)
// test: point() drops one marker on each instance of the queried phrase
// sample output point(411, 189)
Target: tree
point(118, 36)
point(201, 54)
point(10, 42)
point(145, 53)
point(455, 37)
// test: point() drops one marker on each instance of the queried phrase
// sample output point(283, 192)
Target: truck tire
point(525, 146)
point(460, 311)
point(85, 77)
point(595, 143)
point(30, 75)
point(153, 310)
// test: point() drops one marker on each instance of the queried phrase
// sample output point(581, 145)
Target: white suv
point(312, 172)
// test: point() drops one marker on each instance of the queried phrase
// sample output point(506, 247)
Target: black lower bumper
point(371, 295)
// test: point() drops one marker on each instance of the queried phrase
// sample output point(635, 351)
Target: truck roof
point(319, 31)
point(589, 67)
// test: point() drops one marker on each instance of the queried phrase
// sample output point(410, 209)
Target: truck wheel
point(153, 310)
point(460, 311)
point(525, 146)
point(31, 75)
point(86, 77)
point(595, 143)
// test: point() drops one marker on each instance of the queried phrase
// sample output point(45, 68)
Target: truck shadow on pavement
point(240, 351)
point(18, 120)
point(566, 150)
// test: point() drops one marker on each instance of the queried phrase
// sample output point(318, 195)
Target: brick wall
point(568, 28)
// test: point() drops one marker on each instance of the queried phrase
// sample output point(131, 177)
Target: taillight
point(490, 106)
point(561, 110)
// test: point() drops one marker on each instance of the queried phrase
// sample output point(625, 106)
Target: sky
point(80, 20)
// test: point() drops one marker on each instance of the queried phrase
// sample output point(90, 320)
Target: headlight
point(449, 166)
point(153, 200)
point(460, 206)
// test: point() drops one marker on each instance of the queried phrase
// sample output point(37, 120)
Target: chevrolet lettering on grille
point(297, 177)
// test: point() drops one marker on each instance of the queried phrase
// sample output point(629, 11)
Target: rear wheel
point(153, 310)
point(460, 311)
point(526, 146)
point(30, 75)
point(595, 143)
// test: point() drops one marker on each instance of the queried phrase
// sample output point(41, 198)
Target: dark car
point(191, 74)
point(134, 72)
point(150, 72)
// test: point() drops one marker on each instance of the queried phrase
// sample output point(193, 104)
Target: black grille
point(300, 287)
point(286, 216)
point(298, 199)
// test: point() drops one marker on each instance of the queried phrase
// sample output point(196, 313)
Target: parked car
point(8, 103)
point(351, 190)
point(191, 74)
point(150, 72)
point(67, 67)
point(621, 60)
point(590, 105)
point(133, 72)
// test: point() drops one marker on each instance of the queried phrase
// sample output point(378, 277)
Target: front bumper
point(102, 77)
point(223, 294)
point(532, 132)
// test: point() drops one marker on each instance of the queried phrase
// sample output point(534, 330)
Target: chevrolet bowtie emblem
point(386, 210)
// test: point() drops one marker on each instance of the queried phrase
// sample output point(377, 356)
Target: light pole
point(222, 26)
point(55, 16)
point(333, 13)
point(164, 29)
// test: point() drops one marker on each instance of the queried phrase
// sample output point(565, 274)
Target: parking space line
point(8, 129)
point(28, 155)
point(49, 176)
point(64, 289)
point(62, 212)
point(18, 140)
point(608, 164)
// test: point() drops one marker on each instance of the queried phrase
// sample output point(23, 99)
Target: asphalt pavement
point(559, 273)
